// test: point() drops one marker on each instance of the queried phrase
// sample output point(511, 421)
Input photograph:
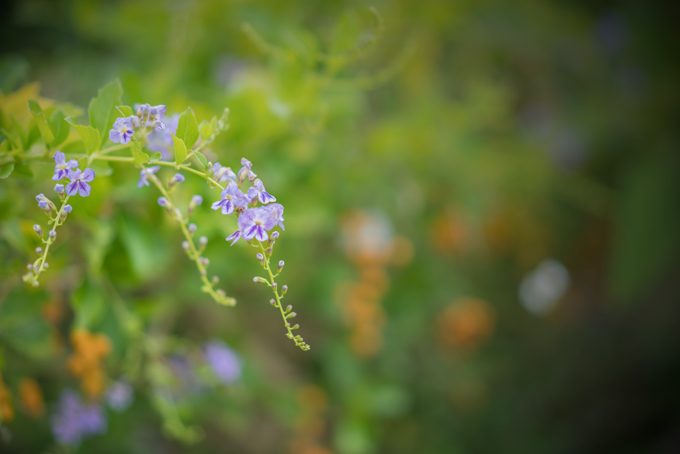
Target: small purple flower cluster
point(254, 222)
point(158, 129)
point(79, 180)
point(76, 420)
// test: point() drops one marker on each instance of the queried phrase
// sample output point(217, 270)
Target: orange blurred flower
point(466, 323)
point(90, 350)
point(6, 409)
point(31, 397)
point(449, 234)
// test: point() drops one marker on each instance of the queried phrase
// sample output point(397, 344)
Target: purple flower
point(144, 175)
point(79, 182)
point(68, 208)
point(222, 173)
point(246, 171)
point(119, 395)
point(234, 237)
point(257, 191)
point(160, 139)
point(224, 363)
point(75, 420)
point(256, 222)
point(162, 201)
point(62, 166)
point(196, 200)
point(43, 202)
point(123, 129)
point(232, 198)
point(177, 178)
point(276, 214)
point(59, 188)
point(150, 115)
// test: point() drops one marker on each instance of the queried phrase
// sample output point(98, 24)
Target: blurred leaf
point(88, 305)
point(187, 128)
point(59, 126)
point(41, 121)
point(125, 111)
point(89, 136)
point(179, 149)
point(6, 169)
point(648, 223)
point(102, 109)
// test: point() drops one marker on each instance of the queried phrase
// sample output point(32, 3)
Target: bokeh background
point(481, 225)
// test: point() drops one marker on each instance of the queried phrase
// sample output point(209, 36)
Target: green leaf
point(187, 128)
point(59, 127)
point(102, 109)
point(6, 170)
point(89, 136)
point(139, 156)
point(124, 111)
point(207, 128)
point(201, 160)
point(88, 305)
point(180, 149)
point(41, 121)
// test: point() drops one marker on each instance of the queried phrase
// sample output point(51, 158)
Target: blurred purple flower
point(232, 198)
point(144, 175)
point(222, 174)
point(225, 364)
point(123, 129)
point(79, 182)
point(75, 420)
point(258, 191)
point(119, 395)
point(246, 171)
point(150, 116)
point(62, 166)
point(160, 139)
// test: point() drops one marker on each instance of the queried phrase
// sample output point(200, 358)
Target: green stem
point(299, 342)
point(193, 252)
point(39, 264)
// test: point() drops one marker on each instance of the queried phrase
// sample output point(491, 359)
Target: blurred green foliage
point(430, 156)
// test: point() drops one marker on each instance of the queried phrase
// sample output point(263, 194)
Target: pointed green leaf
point(180, 149)
point(89, 136)
point(139, 156)
point(41, 121)
point(6, 170)
point(187, 128)
point(102, 110)
point(124, 111)
point(59, 127)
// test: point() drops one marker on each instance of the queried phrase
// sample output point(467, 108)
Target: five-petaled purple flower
point(232, 198)
point(79, 182)
point(256, 222)
point(75, 420)
point(257, 191)
point(224, 363)
point(123, 129)
point(144, 175)
point(62, 166)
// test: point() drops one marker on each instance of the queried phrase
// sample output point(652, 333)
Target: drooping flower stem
point(40, 264)
point(192, 251)
point(279, 293)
